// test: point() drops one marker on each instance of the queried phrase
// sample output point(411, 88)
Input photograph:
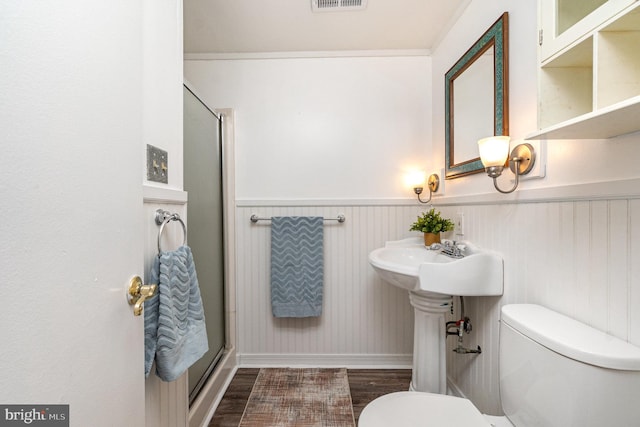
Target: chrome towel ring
point(163, 218)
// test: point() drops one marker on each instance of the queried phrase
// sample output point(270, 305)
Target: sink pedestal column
point(429, 347)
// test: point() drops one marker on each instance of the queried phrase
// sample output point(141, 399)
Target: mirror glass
point(476, 100)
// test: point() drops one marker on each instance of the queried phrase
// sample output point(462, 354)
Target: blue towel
point(174, 328)
point(297, 266)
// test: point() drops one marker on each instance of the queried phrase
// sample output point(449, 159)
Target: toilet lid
point(413, 409)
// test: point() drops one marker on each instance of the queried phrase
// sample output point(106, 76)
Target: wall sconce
point(493, 153)
point(433, 183)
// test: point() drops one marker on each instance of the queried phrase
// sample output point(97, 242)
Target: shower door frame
point(201, 406)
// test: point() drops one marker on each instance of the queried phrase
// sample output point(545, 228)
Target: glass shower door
point(203, 183)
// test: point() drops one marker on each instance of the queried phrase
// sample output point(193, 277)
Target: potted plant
point(431, 224)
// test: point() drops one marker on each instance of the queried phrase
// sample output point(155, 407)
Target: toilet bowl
point(414, 409)
point(554, 372)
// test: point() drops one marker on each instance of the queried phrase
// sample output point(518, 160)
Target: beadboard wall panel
point(633, 242)
point(166, 403)
point(575, 257)
point(361, 315)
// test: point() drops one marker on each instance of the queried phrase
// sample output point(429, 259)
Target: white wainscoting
point(579, 258)
point(576, 257)
point(166, 403)
point(364, 321)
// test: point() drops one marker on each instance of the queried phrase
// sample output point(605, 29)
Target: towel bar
point(340, 218)
point(163, 218)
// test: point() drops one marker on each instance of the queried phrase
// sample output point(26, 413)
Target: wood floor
point(365, 385)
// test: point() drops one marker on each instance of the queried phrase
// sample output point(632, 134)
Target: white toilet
point(554, 372)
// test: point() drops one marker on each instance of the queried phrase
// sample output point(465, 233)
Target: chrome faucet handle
point(451, 249)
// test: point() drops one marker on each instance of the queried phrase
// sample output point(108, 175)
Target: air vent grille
point(337, 5)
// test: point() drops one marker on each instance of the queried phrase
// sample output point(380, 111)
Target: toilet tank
point(556, 371)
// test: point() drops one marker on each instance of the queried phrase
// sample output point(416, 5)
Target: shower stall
point(203, 181)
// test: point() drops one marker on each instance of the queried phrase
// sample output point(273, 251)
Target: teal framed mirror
point(476, 100)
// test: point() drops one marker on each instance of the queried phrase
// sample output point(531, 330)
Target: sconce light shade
point(415, 178)
point(494, 150)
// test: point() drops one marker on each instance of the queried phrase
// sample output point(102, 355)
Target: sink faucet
point(451, 248)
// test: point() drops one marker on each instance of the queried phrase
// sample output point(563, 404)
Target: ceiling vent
point(337, 5)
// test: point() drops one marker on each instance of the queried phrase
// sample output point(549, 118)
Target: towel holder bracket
point(162, 218)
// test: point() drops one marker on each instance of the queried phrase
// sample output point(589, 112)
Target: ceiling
point(264, 26)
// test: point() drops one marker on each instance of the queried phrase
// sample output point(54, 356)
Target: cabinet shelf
point(589, 85)
point(614, 120)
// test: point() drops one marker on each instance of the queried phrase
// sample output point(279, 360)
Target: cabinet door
point(562, 22)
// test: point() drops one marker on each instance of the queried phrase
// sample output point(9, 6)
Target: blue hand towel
point(297, 266)
point(175, 332)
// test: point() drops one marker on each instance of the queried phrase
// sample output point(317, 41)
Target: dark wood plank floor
point(365, 385)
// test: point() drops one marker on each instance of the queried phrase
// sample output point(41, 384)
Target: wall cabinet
point(589, 76)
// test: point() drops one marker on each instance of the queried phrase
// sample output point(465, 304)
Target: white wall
point(166, 403)
point(364, 321)
point(162, 86)
point(322, 128)
point(312, 129)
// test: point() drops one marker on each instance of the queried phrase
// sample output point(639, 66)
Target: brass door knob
point(138, 293)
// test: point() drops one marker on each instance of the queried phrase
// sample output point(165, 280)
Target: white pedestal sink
point(432, 279)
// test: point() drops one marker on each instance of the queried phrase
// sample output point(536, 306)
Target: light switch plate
point(157, 164)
